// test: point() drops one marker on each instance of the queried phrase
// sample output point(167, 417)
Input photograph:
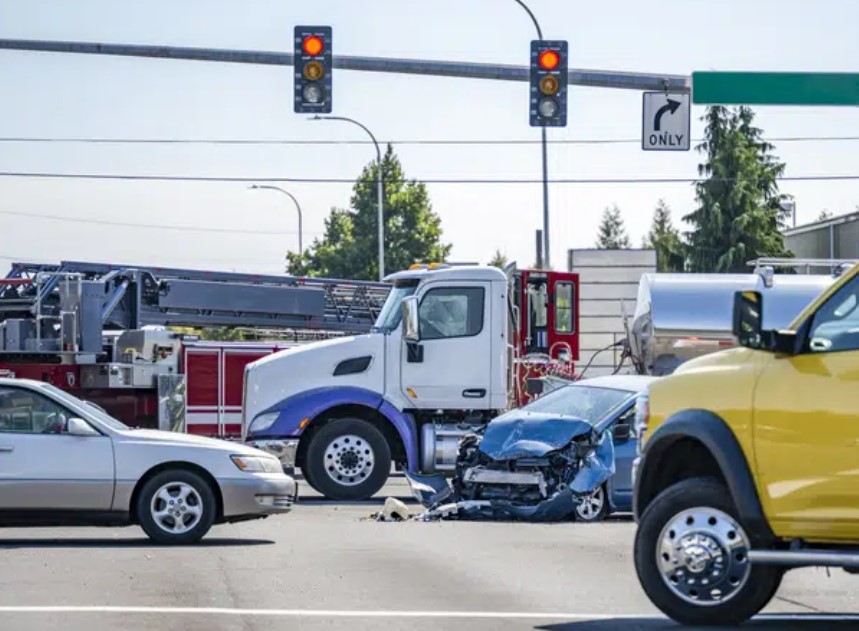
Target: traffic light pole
point(545, 150)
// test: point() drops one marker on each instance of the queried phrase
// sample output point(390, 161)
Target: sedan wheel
point(176, 507)
point(593, 507)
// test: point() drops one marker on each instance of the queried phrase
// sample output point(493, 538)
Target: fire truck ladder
point(110, 296)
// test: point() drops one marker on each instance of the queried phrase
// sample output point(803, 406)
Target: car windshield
point(588, 403)
point(96, 412)
point(391, 314)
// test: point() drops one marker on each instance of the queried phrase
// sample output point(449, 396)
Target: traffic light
point(548, 83)
point(312, 63)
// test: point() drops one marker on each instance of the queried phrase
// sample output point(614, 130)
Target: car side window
point(449, 312)
point(24, 411)
point(835, 326)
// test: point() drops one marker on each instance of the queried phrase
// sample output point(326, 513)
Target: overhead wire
point(493, 181)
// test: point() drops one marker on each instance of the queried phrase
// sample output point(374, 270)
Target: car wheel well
point(690, 459)
point(177, 466)
point(362, 412)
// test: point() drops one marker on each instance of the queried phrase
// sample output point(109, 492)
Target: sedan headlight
point(642, 416)
point(257, 464)
point(263, 422)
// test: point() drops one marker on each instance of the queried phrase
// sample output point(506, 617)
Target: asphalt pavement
point(326, 566)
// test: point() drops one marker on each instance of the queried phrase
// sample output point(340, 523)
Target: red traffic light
point(549, 59)
point(313, 45)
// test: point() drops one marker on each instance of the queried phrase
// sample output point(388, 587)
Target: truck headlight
point(263, 422)
point(642, 416)
point(257, 464)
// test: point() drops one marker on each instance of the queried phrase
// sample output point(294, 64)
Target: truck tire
point(348, 459)
point(176, 507)
point(691, 557)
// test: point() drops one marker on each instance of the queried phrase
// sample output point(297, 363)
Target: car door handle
point(474, 393)
point(6, 449)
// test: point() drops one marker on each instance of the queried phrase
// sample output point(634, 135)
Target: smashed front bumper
point(283, 449)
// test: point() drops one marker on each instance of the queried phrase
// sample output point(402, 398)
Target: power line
point(494, 181)
point(405, 142)
point(146, 225)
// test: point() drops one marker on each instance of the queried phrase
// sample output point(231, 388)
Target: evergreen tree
point(739, 215)
point(350, 246)
point(499, 260)
point(612, 231)
point(665, 239)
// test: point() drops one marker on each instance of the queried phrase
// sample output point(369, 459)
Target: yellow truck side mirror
point(748, 318)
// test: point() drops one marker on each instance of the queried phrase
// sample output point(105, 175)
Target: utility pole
point(545, 155)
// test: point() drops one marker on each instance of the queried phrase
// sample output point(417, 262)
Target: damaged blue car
point(550, 460)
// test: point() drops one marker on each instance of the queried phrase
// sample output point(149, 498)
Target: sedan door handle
point(6, 449)
point(474, 393)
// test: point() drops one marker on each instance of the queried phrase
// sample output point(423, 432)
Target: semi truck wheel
point(691, 556)
point(348, 459)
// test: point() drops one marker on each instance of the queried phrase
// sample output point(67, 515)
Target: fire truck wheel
point(348, 459)
point(176, 507)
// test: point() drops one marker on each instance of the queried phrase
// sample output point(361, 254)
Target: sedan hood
point(530, 434)
point(149, 436)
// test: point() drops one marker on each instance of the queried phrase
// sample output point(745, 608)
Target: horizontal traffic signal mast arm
point(499, 72)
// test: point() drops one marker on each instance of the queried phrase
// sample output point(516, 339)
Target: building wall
point(608, 286)
point(834, 238)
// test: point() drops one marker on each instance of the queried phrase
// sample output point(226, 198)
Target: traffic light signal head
point(548, 96)
point(312, 64)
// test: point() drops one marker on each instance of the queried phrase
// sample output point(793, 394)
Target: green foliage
point(350, 247)
point(612, 231)
point(739, 214)
point(220, 334)
point(499, 260)
point(665, 239)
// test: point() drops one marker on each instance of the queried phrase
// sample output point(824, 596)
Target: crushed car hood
point(530, 434)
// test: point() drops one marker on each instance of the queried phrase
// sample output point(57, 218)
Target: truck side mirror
point(748, 318)
point(411, 320)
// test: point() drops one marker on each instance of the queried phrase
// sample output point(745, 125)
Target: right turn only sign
point(665, 122)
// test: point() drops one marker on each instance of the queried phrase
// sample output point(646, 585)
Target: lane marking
point(334, 613)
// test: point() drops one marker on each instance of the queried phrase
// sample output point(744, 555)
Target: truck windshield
point(389, 318)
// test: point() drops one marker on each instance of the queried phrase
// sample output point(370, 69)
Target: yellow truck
point(749, 462)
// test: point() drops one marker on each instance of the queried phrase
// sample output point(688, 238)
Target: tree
point(350, 246)
point(499, 260)
point(739, 215)
point(665, 239)
point(826, 214)
point(612, 232)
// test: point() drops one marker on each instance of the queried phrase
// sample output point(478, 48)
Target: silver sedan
point(65, 462)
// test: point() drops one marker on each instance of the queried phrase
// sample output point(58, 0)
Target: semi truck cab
point(343, 410)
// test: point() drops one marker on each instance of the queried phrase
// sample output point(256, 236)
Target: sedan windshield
point(588, 403)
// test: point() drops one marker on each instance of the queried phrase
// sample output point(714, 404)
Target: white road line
point(334, 613)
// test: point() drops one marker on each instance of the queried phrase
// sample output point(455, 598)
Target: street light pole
point(545, 155)
point(297, 206)
point(379, 189)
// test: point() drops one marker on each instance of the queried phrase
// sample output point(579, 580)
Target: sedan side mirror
point(411, 319)
point(79, 427)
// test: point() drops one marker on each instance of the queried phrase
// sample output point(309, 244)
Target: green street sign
point(775, 88)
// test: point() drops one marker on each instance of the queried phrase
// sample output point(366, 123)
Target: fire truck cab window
point(564, 307)
point(451, 312)
point(538, 317)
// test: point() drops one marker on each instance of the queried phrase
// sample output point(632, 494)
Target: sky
point(48, 95)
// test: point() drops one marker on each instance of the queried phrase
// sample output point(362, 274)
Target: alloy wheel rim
point(176, 508)
point(590, 505)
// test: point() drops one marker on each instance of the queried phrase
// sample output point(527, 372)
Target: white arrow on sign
point(665, 121)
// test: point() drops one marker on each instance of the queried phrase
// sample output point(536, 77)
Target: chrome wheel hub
point(349, 460)
point(702, 555)
point(176, 507)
